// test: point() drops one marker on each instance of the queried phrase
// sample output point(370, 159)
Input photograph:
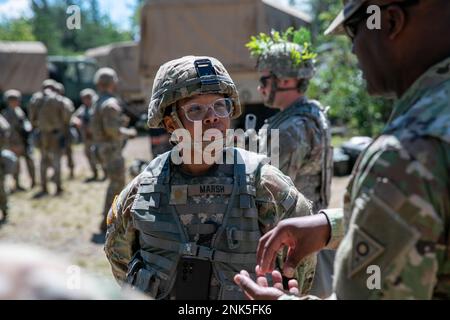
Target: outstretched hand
point(260, 289)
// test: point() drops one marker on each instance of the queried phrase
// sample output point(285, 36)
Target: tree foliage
point(48, 25)
point(338, 82)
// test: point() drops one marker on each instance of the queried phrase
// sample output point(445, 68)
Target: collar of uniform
point(434, 76)
point(297, 103)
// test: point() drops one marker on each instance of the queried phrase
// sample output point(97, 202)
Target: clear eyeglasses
point(196, 112)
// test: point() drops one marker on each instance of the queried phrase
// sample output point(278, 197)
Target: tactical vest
point(314, 111)
point(163, 239)
point(97, 128)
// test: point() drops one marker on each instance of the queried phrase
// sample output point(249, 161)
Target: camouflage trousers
point(91, 156)
point(110, 155)
point(3, 196)
point(22, 151)
point(52, 148)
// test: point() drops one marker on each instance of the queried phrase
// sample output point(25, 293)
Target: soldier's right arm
point(33, 109)
point(120, 244)
point(112, 122)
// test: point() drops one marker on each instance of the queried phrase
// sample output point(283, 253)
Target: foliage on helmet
point(261, 44)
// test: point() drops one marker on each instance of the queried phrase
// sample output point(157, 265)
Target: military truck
point(24, 65)
point(75, 73)
point(218, 28)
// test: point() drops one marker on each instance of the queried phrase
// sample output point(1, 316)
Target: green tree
point(16, 30)
point(49, 26)
point(339, 83)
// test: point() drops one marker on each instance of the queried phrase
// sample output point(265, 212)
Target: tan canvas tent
point(220, 28)
point(124, 58)
point(23, 66)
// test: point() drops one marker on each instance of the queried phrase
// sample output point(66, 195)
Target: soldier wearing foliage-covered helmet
point(285, 62)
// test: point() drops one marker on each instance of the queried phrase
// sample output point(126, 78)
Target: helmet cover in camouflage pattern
point(12, 94)
point(105, 76)
point(178, 79)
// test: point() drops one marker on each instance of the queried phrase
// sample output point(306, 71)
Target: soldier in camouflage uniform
point(396, 214)
point(5, 131)
point(82, 120)
point(69, 108)
point(49, 117)
point(109, 135)
point(305, 153)
point(19, 141)
point(181, 231)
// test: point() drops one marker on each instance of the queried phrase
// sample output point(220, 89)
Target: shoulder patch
point(365, 250)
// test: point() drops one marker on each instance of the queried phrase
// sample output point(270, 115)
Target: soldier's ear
point(169, 124)
point(395, 21)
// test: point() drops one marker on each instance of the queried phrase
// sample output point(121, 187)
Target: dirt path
point(66, 224)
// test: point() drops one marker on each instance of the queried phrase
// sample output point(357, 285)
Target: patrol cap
point(12, 94)
point(87, 93)
point(186, 77)
point(350, 8)
point(105, 76)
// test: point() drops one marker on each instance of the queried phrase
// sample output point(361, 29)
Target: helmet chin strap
point(275, 89)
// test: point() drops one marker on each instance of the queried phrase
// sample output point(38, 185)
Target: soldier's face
point(265, 85)
point(87, 101)
point(13, 102)
point(211, 119)
point(378, 51)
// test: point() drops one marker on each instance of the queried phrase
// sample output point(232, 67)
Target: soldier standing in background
point(81, 119)
point(109, 135)
point(5, 131)
point(49, 117)
point(305, 152)
point(69, 108)
point(20, 138)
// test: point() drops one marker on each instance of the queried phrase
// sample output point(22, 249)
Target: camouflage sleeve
point(277, 199)
point(297, 142)
point(392, 249)
point(120, 244)
point(77, 114)
point(32, 110)
point(336, 220)
point(68, 110)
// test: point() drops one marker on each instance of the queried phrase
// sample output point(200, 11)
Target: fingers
point(293, 287)
point(262, 281)
point(294, 256)
point(269, 251)
point(277, 279)
point(261, 245)
point(251, 289)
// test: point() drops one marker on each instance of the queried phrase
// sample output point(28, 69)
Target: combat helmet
point(186, 77)
point(12, 94)
point(285, 55)
point(105, 76)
